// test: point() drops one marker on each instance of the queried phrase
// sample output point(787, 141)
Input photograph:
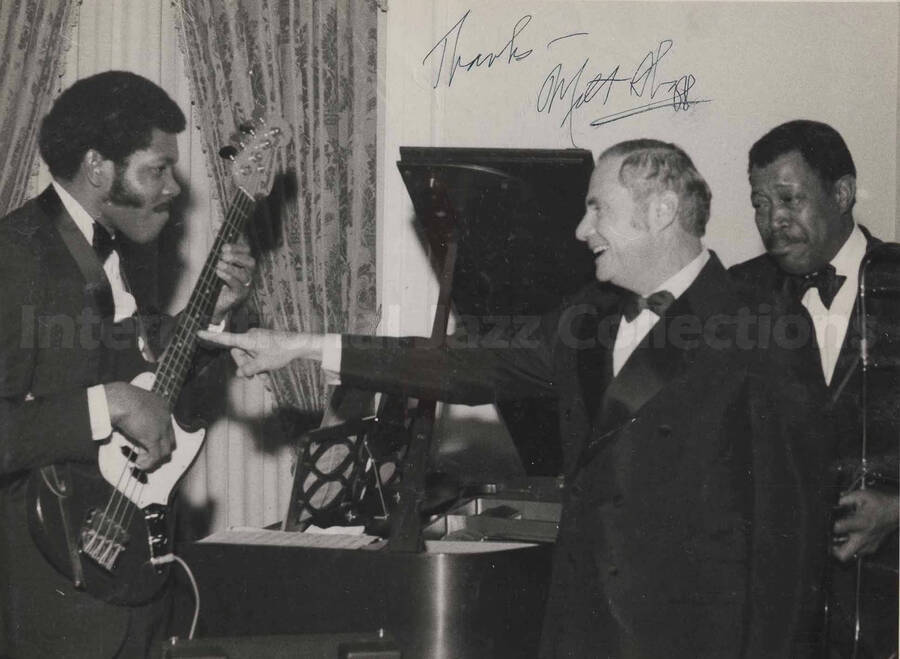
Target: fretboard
point(176, 360)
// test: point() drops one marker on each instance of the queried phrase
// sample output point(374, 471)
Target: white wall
point(758, 65)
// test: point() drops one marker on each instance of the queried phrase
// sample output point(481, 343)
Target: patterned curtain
point(34, 35)
point(313, 62)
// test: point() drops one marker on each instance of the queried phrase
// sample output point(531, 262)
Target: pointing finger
point(226, 339)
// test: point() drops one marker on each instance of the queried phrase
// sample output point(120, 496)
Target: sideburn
point(119, 193)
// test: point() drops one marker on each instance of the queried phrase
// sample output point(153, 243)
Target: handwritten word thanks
point(574, 93)
point(507, 54)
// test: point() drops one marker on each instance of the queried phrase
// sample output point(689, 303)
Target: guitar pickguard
point(145, 488)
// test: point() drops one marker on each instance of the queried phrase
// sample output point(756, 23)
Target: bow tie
point(826, 280)
point(103, 242)
point(656, 302)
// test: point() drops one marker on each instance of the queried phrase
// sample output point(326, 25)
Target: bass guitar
point(108, 527)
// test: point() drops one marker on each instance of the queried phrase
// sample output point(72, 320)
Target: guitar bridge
point(103, 539)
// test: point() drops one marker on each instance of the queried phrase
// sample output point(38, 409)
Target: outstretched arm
point(416, 367)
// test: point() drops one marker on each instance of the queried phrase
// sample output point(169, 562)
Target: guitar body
point(117, 522)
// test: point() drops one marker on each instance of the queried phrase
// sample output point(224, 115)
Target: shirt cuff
point(331, 359)
point(98, 408)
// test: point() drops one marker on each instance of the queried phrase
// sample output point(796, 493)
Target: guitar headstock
point(253, 167)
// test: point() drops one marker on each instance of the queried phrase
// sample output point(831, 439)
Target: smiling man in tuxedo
point(688, 529)
point(70, 343)
point(803, 190)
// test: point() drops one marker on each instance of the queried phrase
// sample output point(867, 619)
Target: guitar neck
point(176, 360)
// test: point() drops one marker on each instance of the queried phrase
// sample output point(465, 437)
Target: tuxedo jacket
point(691, 525)
point(57, 338)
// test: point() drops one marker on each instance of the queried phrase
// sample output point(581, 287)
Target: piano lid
point(514, 212)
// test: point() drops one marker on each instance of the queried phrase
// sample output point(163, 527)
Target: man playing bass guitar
point(70, 343)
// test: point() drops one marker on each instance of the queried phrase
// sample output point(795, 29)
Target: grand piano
point(457, 569)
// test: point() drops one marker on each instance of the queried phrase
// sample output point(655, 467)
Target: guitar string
point(98, 529)
point(114, 521)
point(125, 509)
point(182, 345)
point(230, 229)
point(132, 509)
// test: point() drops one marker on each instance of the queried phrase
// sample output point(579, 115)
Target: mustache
point(781, 239)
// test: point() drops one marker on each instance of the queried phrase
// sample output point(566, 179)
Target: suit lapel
point(598, 331)
point(849, 358)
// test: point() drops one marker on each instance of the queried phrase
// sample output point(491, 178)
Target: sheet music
point(254, 536)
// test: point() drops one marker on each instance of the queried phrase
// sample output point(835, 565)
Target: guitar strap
point(95, 277)
point(62, 488)
point(61, 484)
point(83, 254)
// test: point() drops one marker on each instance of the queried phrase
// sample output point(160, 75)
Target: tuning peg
point(247, 128)
point(228, 152)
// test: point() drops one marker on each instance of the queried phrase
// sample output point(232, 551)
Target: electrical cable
point(169, 558)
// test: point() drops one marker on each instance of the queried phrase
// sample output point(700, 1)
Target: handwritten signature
point(567, 91)
point(508, 53)
point(642, 83)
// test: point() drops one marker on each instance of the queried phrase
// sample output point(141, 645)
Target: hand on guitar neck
point(235, 268)
point(143, 417)
point(866, 518)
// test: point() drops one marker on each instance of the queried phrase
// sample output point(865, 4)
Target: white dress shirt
point(831, 323)
point(631, 333)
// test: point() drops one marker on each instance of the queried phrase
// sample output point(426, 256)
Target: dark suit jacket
point(689, 528)
point(764, 279)
point(54, 343)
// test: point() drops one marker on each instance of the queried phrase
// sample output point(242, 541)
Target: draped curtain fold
point(313, 62)
point(34, 35)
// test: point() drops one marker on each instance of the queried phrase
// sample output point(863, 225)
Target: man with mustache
point(803, 189)
point(686, 529)
point(71, 342)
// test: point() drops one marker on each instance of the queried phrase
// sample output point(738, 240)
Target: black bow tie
point(656, 302)
point(103, 242)
point(826, 280)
